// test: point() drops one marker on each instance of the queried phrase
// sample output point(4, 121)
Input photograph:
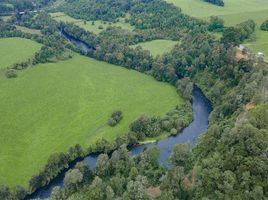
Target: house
point(260, 54)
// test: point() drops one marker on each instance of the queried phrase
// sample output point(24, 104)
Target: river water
point(201, 110)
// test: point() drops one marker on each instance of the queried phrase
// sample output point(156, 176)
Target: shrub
point(115, 118)
point(264, 26)
point(216, 24)
point(173, 131)
point(11, 73)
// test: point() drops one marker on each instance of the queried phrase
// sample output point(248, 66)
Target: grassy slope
point(59, 16)
point(234, 12)
point(53, 106)
point(28, 30)
point(13, 50)
point(158, 47)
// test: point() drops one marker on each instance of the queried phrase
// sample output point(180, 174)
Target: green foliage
point(136, 189)
point(90, 9)
point(115, 118)
point(185, 87)
point(216, 24)
point(182, 156)
point(216, 2)
point(73, 178)
point(11, 73)
point(102, 165)
point(264, 26)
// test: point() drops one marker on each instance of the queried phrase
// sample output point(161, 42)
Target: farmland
point(158, 47)
point(13, 50)
point(53, 106)
point(90, 25)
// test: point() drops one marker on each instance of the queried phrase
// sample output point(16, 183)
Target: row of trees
point(121, 176)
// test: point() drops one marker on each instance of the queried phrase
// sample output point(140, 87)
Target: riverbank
point(201, 109)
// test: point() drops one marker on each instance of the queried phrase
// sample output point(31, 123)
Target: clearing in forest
point(157, 47)
point(15, 50)
point(95, 27)
point(53, 106)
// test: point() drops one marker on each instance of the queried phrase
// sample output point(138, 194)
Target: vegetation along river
point(201, 110)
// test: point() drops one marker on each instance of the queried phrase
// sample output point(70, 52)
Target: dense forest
point(11, 6)
point(230, 161)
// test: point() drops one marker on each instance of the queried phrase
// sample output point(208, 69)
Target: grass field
point(53, 106)
point(28, 30)
point(157, 47)
point(234, 12)
point(14, 50)
point(87, 25)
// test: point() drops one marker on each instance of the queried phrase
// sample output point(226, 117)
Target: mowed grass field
point(53, 106)
point(234, 12)
point(14, 50)
point(157, 47)
point(87, 25)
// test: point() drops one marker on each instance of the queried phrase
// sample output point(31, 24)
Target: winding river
point(201, 110)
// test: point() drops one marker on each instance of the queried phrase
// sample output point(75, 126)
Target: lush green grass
point(53, 106)
point(201, 9)
point(158, 47)
point(234, 12)
point(87, 25)
point(14, 50)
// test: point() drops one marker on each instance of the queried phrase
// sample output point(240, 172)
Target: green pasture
point(87, 25)
point(157, 47)
point(28, 30)
point(53, 106)
point(202, 9)
point(14, 50)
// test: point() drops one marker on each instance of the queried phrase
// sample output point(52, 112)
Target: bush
point(11, 73)
point(112, 122)
point(264, 26)
point(216, 24)
point(115, 118)
point(173, 131)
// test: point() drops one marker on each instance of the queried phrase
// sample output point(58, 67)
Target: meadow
point(157, 47)
point(232, 13)
point(28, 30)
point(50, 107)
point(88, 25)
point(14, 50)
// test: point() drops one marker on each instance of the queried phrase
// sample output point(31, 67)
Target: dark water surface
point(201, 110)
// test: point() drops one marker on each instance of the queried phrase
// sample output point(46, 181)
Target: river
point(201, 110)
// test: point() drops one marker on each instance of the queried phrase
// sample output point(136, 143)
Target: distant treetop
point(216, 2)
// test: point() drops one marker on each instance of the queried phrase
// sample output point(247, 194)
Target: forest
point(229, 161)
